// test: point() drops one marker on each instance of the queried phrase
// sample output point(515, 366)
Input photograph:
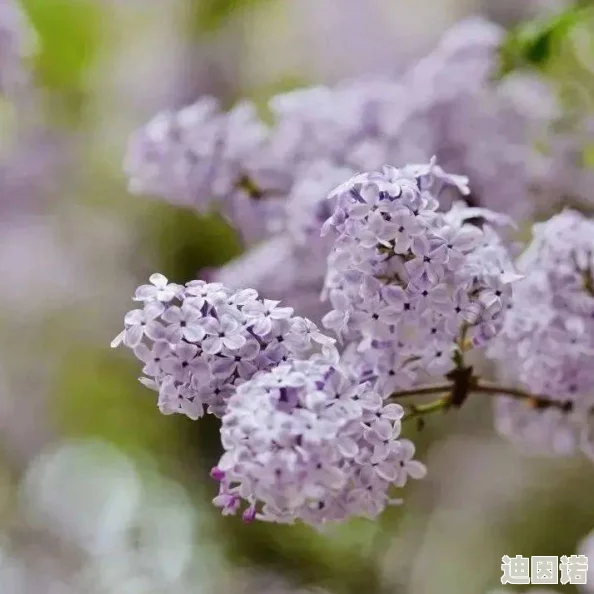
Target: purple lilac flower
point(192, 156)
point(271, 181)
point(547, 341)
point(445, 105)
point(407, 283)
point(306, 441)
point(201, 340)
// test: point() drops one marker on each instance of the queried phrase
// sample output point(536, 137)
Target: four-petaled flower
point(184, 323)
point(139, 323)
point(223, 333)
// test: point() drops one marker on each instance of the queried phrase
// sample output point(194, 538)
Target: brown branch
point(475, 386)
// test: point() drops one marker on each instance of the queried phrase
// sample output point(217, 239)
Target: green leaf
point(534, 44)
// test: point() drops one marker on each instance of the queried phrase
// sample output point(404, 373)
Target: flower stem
point(538, 401)
point(415, 411)
point(422, 391)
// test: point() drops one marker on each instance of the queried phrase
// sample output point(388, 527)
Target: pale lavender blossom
point(547, 341)
point(141, 322)
point(192, 156)
point(199, 341)
point(159, 290)
point(406, 266)
point(409, 302)
point(446, 104)
point(270, 181)
point(281, 268)
point(302, 443)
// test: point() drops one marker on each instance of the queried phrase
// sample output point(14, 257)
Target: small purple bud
point(217, 474)
point(249, 515)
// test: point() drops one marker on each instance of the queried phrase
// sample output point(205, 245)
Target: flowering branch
point(437, 287)
point(537, 401)
point(422, 391)
point(418, 411)
point(463, 384)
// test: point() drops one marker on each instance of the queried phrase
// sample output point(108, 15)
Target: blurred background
point(99, 493)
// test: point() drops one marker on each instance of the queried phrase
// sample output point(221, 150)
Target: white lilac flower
point(184, 322)
point(224, 332)
point(411, 300)
point(153, 356)
point(199, 341)
point(307, 441)
point(547, 341)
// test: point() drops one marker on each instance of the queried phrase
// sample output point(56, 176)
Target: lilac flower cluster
point(410, 286)
point(269, 180)
point(194, 156)
point(405, 266)
point(445, 105)
point(411, 290)
point(199, 341)
point(307, 441)
point(547, 341)
point(303, 439)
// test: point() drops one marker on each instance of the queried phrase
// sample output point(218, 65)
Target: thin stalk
point(539, 401)
point(421, 410)
point(422, 391)
point(536, 400)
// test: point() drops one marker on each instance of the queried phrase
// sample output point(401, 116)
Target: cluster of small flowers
point(194, 156)
point(445, 105)
point(547, 341)
point(307, 441)
point(201, 340)
point(269, 179)
point(303, 439)
point(408, 284)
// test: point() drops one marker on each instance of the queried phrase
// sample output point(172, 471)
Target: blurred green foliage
point(337, 560)
point(211, 15)
point(98, 395)
point(69, 37)
point(535, 43)
point(183, 242)
point(560, 48)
